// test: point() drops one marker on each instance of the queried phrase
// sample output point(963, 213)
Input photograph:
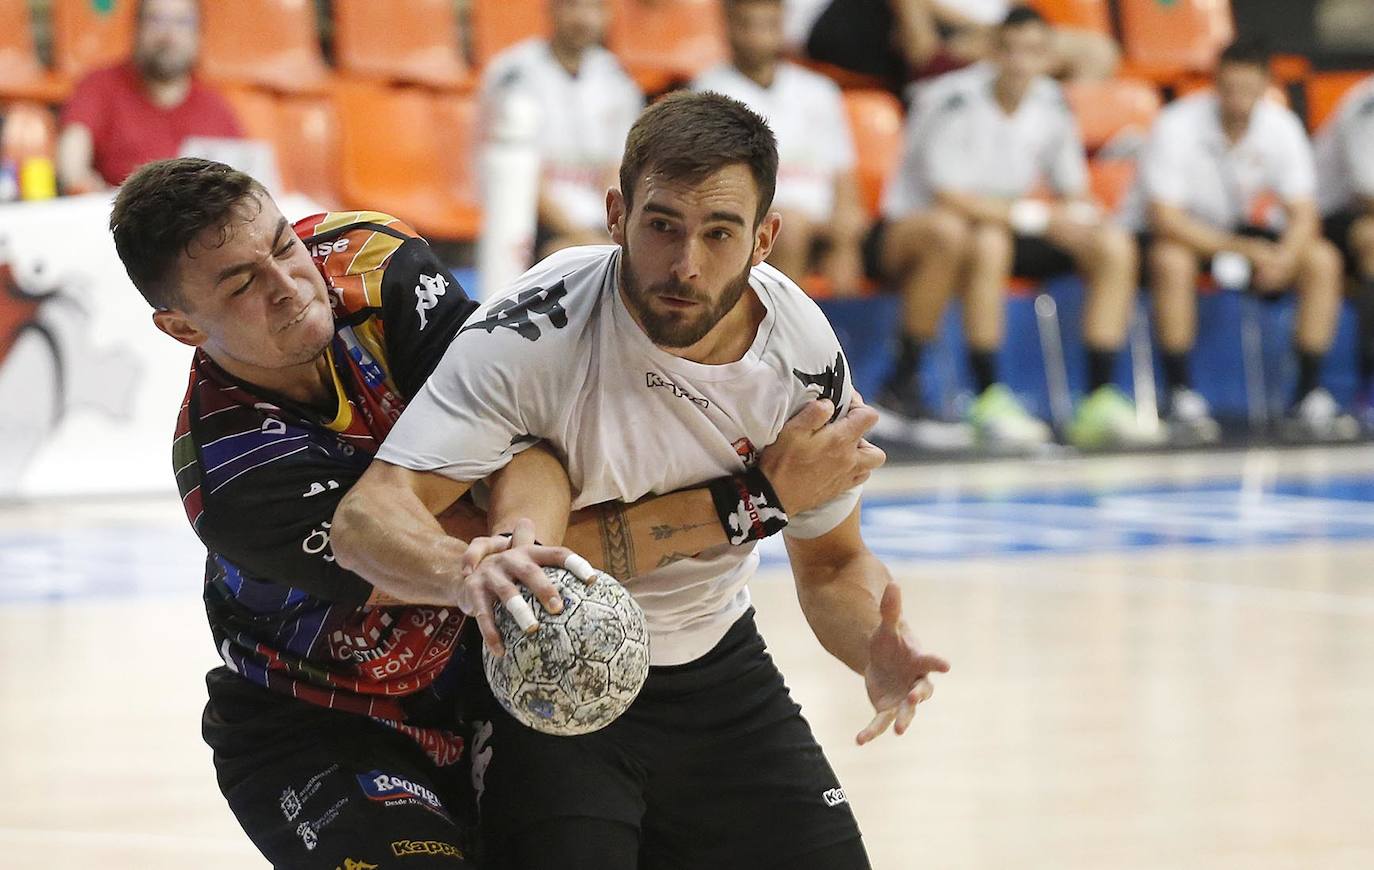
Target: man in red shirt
point(123, 116)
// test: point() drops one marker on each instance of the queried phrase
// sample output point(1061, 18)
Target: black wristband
point(747, 506)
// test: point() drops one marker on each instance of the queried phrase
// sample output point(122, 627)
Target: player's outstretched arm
point(386, 531)
point(855, 609)
point(811, 462)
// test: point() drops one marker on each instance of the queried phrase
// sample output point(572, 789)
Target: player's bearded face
point(667, 323)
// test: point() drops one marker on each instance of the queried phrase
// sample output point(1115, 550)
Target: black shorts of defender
point(317, 788)
point(1033, 257)
point(712, 768)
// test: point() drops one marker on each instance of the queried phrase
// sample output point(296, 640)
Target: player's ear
point(178, 326)
point(615, 215)
point(764, 237)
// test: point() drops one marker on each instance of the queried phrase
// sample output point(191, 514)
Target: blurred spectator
point(1345, 194)
point(817, 194)
point(1227, 182)
point(587, 104)
point(980, 142)
point(143, 109)
point(900, 40)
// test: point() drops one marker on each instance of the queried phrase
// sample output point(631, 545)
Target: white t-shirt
point(1189, 163)
point(959, 139)
point(559, 359)
point(1345, 151)
point(806, 112)
point(986, 12)
point(583, 120)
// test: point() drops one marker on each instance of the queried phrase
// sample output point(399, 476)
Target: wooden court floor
point(1156, 706)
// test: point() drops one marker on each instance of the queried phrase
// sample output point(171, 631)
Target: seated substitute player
point(587, 103)
point(334, 719)
point(1345, 195)
point(818, 196)
point(957, 215)
point(660, 362)
point(1231, 172)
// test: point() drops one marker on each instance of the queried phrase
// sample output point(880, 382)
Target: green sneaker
point(999, 420)
point(1106, 418)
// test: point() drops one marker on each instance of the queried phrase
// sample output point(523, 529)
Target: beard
point(677, 329)
point(158, 67)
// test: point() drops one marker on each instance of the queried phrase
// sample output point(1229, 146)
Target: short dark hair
point(1249, 51)
point(1020, 15)
point(166, 205)
point(687, 136)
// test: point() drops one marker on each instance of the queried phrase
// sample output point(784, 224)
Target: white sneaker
point(1190, 418)
point(1318, 417)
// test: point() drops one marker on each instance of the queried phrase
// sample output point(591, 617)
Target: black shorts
point(1032, 256)
point(1336, 228)
point(319, 788)
point(1146, 238)
point(713, 766)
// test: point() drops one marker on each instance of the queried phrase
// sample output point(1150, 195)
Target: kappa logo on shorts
point(834, 797)
point(398, 791)
point(406, 848)
point(350, 864)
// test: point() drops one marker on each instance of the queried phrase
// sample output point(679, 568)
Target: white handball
point(582, 668)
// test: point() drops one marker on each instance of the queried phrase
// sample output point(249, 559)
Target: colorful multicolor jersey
point(260, 477)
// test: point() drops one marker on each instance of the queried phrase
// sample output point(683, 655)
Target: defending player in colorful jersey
point(334, 722)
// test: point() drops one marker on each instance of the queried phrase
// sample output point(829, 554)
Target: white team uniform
point(559, 358)
point(959, 139)
point(985, 12)
point(583, 120)
point(806, 112)
point(1188, 163)
point(1345, 170)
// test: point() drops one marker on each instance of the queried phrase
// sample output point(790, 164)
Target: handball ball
point(584, 665)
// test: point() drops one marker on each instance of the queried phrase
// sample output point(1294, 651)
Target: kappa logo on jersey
point(834, 797)
point(518, 314)
point(653, 379)
point(395, 790)
point(830, 380)
point(402, 848)
point(427, 294)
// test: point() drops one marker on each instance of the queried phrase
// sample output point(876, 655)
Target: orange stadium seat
point(1110, 180)
point(495, 25)
point(1164, 40)
point(304, 132)
point(1093, 15)
point(661, 42)
point(875, 120)
point(87, 36)
point(425, 176)
point(1325, 90)
point(22, 77)
point(269, 43)
point(29, 130)
point(415, 41)
point(1109, 108)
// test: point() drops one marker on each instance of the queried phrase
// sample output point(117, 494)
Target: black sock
point(1364, 307)
point(908, 366)
point(984, 366)
point(1176, 374)
point(1309, 371)
point(1101, 364)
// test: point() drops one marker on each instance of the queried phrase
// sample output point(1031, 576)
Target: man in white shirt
point(817, 195)
point(587, 103)
point(1227, 179)
point(659, 359)
point(1345, 195)
point(960, 215)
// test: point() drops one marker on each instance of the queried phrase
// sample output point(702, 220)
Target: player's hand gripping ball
point(583, 666)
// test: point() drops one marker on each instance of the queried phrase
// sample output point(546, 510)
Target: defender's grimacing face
point(687, 250)
point(257, 298)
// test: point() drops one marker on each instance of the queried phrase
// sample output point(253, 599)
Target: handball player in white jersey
point(665, 360)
